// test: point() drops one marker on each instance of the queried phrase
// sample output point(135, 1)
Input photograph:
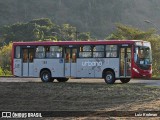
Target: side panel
point(17, 67)
point(31, 69)
point(56, 66)
point(67, 69)
point(94, 67)
point(85, 68)
point(25, 69)
point(73, 69)
point(70, 70)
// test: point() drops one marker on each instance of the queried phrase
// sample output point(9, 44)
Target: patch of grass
point(5, 72)
point(72, 96)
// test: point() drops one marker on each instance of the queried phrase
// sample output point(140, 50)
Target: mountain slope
point(96, 16)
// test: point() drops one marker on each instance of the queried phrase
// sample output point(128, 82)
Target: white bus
point(108, 59)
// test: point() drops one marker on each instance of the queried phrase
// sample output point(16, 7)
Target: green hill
point(97, 16)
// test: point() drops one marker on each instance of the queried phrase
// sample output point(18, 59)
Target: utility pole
point(150, 22)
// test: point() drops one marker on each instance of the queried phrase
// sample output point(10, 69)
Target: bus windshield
point(143, 56)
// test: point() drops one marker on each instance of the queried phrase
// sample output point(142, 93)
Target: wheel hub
point(45, 77)
point(109, 77)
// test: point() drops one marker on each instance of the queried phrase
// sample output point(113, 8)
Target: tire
point(125, 80)
point(46, 76)
point(109, 77)
point(62, 79)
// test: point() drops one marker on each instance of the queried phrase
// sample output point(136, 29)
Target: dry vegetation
point(77, 96)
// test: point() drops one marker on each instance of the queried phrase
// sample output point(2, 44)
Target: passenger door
point(27, 62)
point(125, 61)
point(70, 62)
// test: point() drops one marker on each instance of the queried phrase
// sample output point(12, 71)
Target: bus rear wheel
point(46, 76)
point(62, 79)
point(109, 77)
point(125, 80)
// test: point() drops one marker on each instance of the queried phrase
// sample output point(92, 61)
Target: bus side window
point(111, 50)
point(31, 58)
point(67, 57)
point(47, 52)
point(98, 51)
point(74, 53)
point(25, 55)
point(31, 55)
point(85, 51)
point(55, 52)
point(17, 53)
point(40, 52)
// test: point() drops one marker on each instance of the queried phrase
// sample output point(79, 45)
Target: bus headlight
point(135, 70)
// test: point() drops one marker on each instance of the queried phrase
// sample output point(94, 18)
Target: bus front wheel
point(109, 77)
point(125, 80)
point(46, 76)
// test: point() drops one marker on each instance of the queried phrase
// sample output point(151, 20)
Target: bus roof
point(98, 42)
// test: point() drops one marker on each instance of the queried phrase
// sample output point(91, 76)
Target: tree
point(68, 31)
point(127, 32)
point(43, 22)
point(40, 29)
point(155, 44)
point(84, 36)
point(5, 59)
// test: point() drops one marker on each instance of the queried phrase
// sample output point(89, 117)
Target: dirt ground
point(79, 96)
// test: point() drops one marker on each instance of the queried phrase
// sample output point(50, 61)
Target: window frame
point(98, 51)
point(44, 52)
point(86, 51)
point(15, 52)
point(111, 51)
point(57, 51)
